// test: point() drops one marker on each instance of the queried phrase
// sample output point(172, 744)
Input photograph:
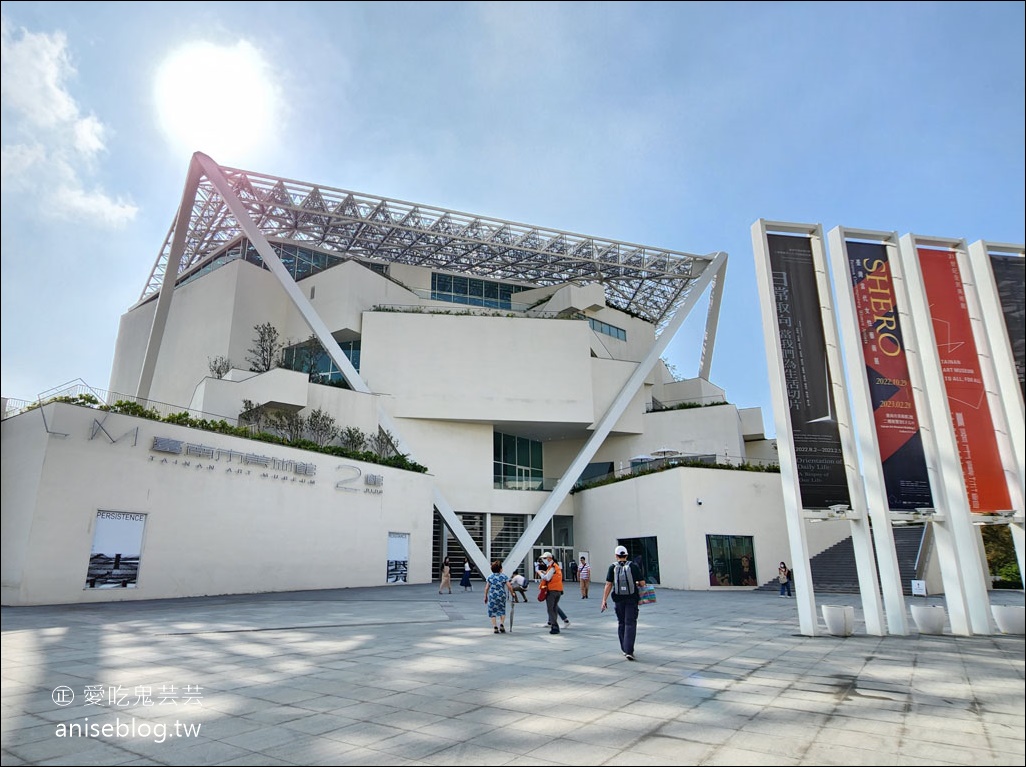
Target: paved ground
point(402, 676)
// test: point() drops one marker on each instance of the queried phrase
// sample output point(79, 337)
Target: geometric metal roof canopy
point(660, 285)
point(647, 282)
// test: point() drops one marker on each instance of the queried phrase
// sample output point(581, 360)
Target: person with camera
point(551, 574)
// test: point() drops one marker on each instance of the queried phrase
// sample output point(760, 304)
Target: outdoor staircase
point(834, 571)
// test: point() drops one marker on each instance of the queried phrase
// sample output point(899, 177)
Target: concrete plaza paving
point(401, 675)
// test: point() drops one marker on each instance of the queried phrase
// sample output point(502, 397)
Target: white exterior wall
point(696, 390)
point(211, 316)
point(341, 295)
point(287, 387)
point(459, 459)
point(751, 423)
point(762, 451)
point(208, 531)
point(479, 368)
point(609, 377)
point(665, 505)
point(695, 431)
point(23, 439)
point(133, 333)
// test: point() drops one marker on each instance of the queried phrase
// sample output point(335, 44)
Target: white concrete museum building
point(520, 365)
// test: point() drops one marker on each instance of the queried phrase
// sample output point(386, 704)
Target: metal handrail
point(108, 398)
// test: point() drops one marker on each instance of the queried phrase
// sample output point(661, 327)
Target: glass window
point(610, 330)
point(596, 470)
point(645, 553)
point(509, 448)
point(519, 458)
point(731, 560)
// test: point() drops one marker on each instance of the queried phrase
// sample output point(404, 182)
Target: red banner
point(963, 381)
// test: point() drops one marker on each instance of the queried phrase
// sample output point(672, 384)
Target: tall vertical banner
point(817, 444)
point(963, 381)
point(1009, 272)
point(883, 348)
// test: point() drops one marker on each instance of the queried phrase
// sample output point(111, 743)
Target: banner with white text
point(817, 443)
point(963, 381)
point(902, 457)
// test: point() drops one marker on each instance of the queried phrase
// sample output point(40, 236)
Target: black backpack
point(623, 579)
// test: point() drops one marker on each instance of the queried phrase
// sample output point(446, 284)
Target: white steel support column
point(804, 596)
point(862, 405)
point(1005, 376)
point(971, 599)
point(947, 553)
point(613, 412)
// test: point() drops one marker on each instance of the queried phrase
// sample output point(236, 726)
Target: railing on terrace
point(80, 389)
point(464, 310)
point(528, 483)
point(478, 302)
point(640, 467)
point(709, 400)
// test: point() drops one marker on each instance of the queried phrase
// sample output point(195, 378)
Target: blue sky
point(674, 125)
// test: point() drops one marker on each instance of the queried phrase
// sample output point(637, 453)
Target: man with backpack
point(623, 581)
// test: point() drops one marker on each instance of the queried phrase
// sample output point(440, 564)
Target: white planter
point(1010, 619)
point(839, 619)
point(929, 618)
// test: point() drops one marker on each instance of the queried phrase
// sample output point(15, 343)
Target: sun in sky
point(217, 99)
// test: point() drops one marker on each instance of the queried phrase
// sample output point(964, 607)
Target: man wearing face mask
point(552, 575)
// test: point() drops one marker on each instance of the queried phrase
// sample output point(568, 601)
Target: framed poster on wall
point(116, 551)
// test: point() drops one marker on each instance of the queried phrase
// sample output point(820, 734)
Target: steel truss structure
point(220, 206)
point(647, 282)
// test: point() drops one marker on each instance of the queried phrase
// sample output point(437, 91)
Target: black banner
point(1008, 274)
point(817, 442)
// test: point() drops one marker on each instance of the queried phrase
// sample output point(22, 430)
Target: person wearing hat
point(626, 605)
point(553, 576)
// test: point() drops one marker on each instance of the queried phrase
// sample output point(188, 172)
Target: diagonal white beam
point(712, 319)
point(309, 313)
point(167, 286)
point(263, 247)
point(609, 419)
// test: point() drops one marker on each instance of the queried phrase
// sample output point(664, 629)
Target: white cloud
point(55, 146)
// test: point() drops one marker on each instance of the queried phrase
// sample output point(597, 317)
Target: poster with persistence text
point(117, 550)
point(883, 348)
point(817, 442)
point(963, 381)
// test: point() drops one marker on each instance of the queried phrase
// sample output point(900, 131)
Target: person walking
point(497, 588)
point(446, 583)
point(553, 577)
point(584, 573)
point(783, 578)
point(624, 581)
point(465, 580)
